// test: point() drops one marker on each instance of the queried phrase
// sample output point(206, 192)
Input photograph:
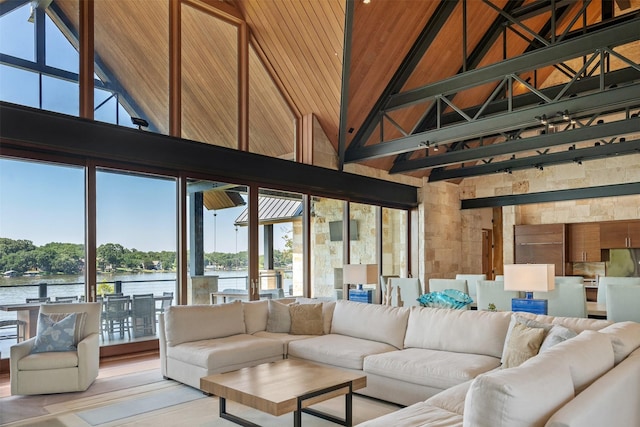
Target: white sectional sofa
point(444, 364)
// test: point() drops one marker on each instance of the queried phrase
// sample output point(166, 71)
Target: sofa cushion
point(462, 331)
point(48, 361)
point(255, 315)
point(373, 322)
point(338, 350)
point(285, 339)
point(524, 396)
point(417, 415)
point(184, 323)
point(216, 354)
point(432, 368)
point(278, 318)
point(625, 338)
point(522, 344)
point(306, 319)
point(589, 355)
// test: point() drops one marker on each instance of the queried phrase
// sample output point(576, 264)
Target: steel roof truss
point(539, 161)
point(612, 129)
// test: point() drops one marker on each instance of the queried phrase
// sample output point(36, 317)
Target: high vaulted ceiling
point(440, 89)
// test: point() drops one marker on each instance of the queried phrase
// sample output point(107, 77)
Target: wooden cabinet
point(541, 244)
point(584, 242)
point(620, 234)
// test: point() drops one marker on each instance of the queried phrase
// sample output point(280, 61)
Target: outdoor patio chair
point(143, 315)
point(115, 316)
point(6, 327)
point(72, 298)
point(41, 299)
point(165, 303)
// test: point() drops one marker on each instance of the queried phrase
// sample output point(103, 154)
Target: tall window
point(136, 237)
point(218, 239)
point(41, 233)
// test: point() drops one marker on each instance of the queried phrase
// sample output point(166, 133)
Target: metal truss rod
point(611, 100)
point(612, 36)
point(605, 130)
point(540, 160)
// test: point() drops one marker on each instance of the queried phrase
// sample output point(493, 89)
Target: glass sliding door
point(280, 243)
point(136, 241)
point(218, 242)
point(42, 235)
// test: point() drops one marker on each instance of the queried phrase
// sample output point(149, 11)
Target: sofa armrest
point(611, 400)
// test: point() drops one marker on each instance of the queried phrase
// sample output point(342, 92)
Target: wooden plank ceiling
point(296, 61)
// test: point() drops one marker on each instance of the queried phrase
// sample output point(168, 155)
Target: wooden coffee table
point(284, 386)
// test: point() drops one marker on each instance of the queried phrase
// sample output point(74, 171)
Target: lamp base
point(529, 305)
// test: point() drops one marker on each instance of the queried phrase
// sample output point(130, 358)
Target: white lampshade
point(529, 277)
point(360, 274)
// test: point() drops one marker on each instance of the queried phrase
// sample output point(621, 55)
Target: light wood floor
point(109, 367)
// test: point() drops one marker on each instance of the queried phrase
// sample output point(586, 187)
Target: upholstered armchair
point(59, 371)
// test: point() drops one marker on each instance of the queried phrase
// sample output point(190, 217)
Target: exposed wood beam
point(605, 130)
point(554, 196)
point(540, 160)
point(616, 35)
point(610, 100)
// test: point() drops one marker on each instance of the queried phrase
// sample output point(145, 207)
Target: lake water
point(15, 290)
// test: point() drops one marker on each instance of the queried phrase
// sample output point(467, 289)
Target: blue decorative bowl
point(448, 298)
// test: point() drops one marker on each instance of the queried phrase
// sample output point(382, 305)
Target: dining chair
point(115, 316)
point(143, 315)
point(165, 303)
point(492, 292)
point(605, 281)
point(472, 280)
point(410, 290)
point(72, 298)
point(623, 300)
point(8, 325)
point(568, 299)
point(40, 299)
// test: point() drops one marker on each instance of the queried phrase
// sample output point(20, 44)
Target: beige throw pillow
point(306, 319)
point(524, 343)
point(278, 318)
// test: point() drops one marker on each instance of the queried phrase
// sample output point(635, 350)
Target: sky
point(45, 203)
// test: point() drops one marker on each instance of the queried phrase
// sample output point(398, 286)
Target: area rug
point(145, 399)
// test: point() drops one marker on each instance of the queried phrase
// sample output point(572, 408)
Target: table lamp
point(528, 278)
point(359, 274)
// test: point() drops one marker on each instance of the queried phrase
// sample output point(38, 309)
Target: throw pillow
point(55, 336)
point(523, 344)
point(81, 319)
point(306, 319)
point(278, 317)
point(515, 318)
point(556, 335)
